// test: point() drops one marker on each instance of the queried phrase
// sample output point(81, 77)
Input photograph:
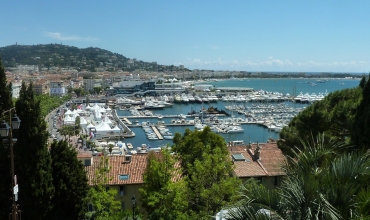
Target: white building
point(16, 88)
point(57, 88)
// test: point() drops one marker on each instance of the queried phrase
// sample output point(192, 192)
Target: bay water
point(252, 132)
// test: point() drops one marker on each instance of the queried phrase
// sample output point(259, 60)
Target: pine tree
point(32, 159)
point(70, 182)
point(6, 179)
point(361, 129)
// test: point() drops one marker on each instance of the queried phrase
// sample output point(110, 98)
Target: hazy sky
point(250, 35)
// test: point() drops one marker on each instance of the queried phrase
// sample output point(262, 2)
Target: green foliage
point(32, 159)
point(361, 125)
point(102, 199)
point(98, 89)
point(6, 179)
point(207, 171)
point(80, 92)
point(49, 103)
point(334, 115)
point(48, 55)
point(163, 198)
point(70, 182)
point(67, 131)
point(77, 128)
point(322, 182)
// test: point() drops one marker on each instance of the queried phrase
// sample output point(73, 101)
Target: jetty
point(127, 121)
point(157, 132)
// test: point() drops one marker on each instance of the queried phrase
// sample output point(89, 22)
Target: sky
point(241, 35)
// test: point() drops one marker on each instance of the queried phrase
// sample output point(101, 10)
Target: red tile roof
point(269, 164)
point(134, 169)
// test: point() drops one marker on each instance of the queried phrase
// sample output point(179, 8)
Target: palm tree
point(323, 181)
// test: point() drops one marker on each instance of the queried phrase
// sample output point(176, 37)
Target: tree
point(6, 180)
point(103, 199)
point(207, 171)
point(77, 125)
point(162, 197)
point(66, 130)
point(334, 115)
point(361, 126)
point(70, 182)
point(32, 159)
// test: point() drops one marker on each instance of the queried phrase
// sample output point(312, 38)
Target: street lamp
point(133, 200)
point(6, 131)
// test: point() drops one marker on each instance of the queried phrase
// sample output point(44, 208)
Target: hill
point(64, 56)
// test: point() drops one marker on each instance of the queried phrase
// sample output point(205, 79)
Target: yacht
point(127, 101)
point(184, 98)
point(234, 129)
point(191, 98)
point(198, 99)
point(177, 99)
point(152, 105)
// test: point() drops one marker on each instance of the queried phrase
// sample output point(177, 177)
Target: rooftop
point(269, 164)
point(121, 171)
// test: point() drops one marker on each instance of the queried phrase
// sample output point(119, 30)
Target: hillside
point(64, 56)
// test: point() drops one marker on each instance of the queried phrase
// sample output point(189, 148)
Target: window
point(122, 205)
point(88, 162)
point(124, 177)
point(276, 182)
point(121, 190)
point(90, 207)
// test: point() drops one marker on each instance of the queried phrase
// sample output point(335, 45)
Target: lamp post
point(133, 200)
point(6, 131)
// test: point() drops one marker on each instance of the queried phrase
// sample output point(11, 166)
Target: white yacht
point(191, 98)
point(234, 129)
point(184, 98)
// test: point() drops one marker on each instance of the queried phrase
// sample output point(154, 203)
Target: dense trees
point(334, 115)
point(32, 159)
point(48, 103)
point(52, 185)
point(5, 180)
point(70, 182)
point(361, 126)
point(164, 192)
point(205, 183)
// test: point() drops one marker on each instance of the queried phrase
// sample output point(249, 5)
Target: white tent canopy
point(103, 127)
point(69, 119)
point(116, 129)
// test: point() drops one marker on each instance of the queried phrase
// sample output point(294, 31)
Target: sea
point(252, 132)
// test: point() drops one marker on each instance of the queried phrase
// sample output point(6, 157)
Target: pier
point(127, 121)
point(157, 132)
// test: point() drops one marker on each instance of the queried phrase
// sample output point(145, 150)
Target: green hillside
point(64, 56)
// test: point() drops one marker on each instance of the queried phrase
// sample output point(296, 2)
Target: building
point(41, 87)
point(89, 84)
point(145, 88)
point(16, 88)
point(260, 161)
point(57, 88)
point(125, 175)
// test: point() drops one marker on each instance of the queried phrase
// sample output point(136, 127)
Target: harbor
point(154, 120)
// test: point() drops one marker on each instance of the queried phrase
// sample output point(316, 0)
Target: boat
point(168, 137)
point(198, 99)
point(234, 129)
point(184, 98)
point(152, 105)
point(191, 98)
point(177, 99)
point(129, 146)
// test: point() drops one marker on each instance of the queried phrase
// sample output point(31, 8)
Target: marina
point(255, 116)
